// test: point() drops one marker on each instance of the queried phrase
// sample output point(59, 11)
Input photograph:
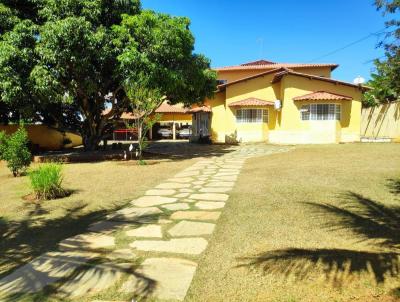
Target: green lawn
point(29, 229)
point(320, 223)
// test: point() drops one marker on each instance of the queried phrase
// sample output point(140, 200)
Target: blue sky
point(231, 32)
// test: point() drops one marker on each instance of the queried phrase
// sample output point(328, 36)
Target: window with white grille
point(252, 116)
point(320, 112)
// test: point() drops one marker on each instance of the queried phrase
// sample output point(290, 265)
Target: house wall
point(382, 121)
point(47, 138)
point(234, 75)
point(285, 126)
point(177, 117)
point(291, 129)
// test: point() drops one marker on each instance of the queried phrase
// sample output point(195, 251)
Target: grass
point(320, 223)
point(28, 229)
point(46, 181)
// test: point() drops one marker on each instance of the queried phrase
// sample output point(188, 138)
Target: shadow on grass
point(370, 220)
point(34, 237)
point(157, 150)
point(394, 186)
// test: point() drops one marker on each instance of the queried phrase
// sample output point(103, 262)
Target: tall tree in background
point(385, 81)
point(61, 61)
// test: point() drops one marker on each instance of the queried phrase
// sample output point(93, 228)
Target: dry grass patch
point(320, 223)
point(28, 229)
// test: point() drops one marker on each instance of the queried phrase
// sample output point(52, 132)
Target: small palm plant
point(46, 181)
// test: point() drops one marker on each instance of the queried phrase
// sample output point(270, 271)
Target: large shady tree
point(62, 62)
point(385, 82)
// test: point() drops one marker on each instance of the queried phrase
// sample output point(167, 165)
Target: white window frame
point(252, 116)
point(317, 112)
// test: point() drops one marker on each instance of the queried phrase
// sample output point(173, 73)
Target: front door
point(203, 123)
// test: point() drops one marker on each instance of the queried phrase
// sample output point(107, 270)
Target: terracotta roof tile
point(279, 75)
point(259, 62)
point(264, 65)
point(251, 102)
point(168, 108)
point(322, 96)
point(203, 108)
point(124, 115)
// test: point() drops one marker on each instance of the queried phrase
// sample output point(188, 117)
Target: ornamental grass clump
point(46, 181)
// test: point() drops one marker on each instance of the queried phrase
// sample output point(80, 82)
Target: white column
point(173, 131)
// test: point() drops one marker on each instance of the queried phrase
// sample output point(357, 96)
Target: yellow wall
point(47, 138)
point(285, 126)
point(349, 125)
point(234, 75)
point(382, 121)
point(177, 117)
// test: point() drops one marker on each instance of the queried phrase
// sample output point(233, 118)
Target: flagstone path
point(167, 229)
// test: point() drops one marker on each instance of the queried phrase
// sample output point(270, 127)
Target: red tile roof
point(124, 115)
point(279, 75)
point(251, 77)
point(168, 108)
point(203, 108)
point(322, 96)
point(264, 64)
point(251, 102)
point(259, 62)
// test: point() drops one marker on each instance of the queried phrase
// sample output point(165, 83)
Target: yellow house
point(280, 103)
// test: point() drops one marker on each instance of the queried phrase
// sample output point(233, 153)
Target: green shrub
point(46, 181)
point(14, 150)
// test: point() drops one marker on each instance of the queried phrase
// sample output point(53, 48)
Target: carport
point(174, 115)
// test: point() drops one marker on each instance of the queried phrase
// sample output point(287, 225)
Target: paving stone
point(151, 231)
point(197, 187)
point(199, 182)
point(172, 277)
point(187, 173)
point(192, 246)
point(160, 192)
point(173, 185)
point(88, 241)
point(210, 205)
point(136, 215)
point(210, 196)
point(230, 166)
point(221, 184)
point(185, 190)
point(149, 201)
point(182, 195)
point(125, 254)
point(181, 179)
point(106, 226)
point(195, 215)
point(215, 190)
point(42, 271)
point(176, 206)
point(189, 200)
point(225, 178)
point(209, 173)
point(164, 221)
point(190, 228)
point(202, 177)
point(92, 280)
point(225, 174)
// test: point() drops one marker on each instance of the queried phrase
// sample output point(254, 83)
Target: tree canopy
point(385, 82)
point(62, 61)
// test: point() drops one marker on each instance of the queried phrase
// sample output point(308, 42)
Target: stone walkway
point(165, 231)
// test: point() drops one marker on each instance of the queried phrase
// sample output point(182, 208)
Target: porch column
point(151, 133)
point(173, 131)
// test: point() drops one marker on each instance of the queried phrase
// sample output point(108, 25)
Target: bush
point(14, 150)
point(46, 181)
